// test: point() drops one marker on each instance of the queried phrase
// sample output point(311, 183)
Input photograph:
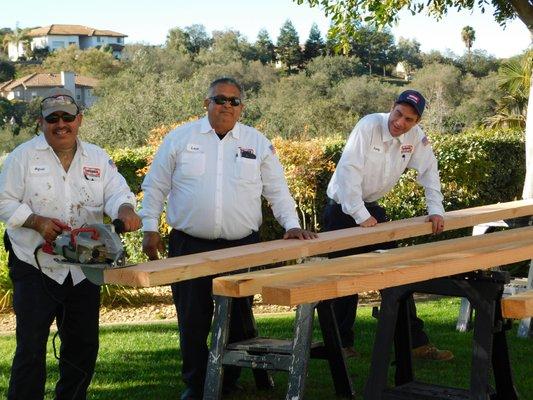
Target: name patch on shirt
point(91, 173)
point(407, 148)
point(194, 147)
point(39, 169)
point(377, 149)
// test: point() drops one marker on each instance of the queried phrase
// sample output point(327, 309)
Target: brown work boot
point(430, 352)
point(350, 352)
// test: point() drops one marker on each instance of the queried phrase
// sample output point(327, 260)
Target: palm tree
point(514, 79)
point(16, 37)
point(468, 34)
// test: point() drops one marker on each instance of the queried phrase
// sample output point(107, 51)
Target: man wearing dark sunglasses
point(50, 183)
point(213, 172)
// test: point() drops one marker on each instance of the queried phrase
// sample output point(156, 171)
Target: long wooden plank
point(247, 284)
point(518, 306)
point(175, 269)
point(380, 277)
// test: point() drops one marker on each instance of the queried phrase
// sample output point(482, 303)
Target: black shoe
point(191, 394)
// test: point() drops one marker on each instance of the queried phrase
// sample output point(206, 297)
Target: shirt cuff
point(361, 215)
point(291, 224)
point(20, 216)
point(150, 225)
point(435, 210)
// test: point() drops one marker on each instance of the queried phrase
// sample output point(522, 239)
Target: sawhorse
point(525, 328)
point(291, 356)
point(484, 291)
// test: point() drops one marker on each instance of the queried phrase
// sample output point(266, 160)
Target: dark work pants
point(194, 306)
point(345, 308)
point(35, 310)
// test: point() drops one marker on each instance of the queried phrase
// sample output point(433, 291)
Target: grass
point(143, 362)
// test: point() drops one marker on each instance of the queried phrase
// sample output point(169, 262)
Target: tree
point(264, 48)
point(3, 33)
point(515, 80)
point(374, 47)
point(7, 70)
point(179, 41)
point(408, 53)
point(345, 12)
point(227, 46)
point(16, 37)
point(468, 35)
point(91, 62)
point(198, 38)
point(314, 46)
point(288, 46)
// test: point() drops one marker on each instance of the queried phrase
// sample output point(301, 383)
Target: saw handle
point(119, 226)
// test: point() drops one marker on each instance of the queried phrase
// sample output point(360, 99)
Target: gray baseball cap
point(59, 99)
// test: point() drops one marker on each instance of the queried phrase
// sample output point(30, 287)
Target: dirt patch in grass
point(155, 304)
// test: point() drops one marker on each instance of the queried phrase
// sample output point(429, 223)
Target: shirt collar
point(205, 127)
point(385, 133)
point(42, 144)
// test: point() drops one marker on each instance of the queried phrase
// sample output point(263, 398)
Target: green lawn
point(142, 361)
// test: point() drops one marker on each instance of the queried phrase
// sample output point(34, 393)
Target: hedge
point(478, 167)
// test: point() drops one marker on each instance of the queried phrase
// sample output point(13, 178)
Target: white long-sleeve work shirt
point(34, 181)
point(373, 161)
point(214, 186)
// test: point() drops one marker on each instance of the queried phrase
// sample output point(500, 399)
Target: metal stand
point(292, 356)
point(484, 291)
point(464, 319)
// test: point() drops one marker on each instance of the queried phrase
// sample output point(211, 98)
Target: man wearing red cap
point(380, 148)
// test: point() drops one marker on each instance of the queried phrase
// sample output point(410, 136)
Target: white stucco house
point(59, 36)
point(36, 85)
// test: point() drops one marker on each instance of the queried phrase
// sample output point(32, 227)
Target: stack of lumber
point(176, 269)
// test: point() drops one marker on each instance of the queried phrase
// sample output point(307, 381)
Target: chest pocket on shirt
point(246, 169)
point(42, 190)
point(192, 163)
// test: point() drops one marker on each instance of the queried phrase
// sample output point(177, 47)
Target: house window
point(120, 40)
point(72, 43)
point(56, 44)
point(33, 95)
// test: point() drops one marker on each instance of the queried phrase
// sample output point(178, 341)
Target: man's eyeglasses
point(220, 100)
point(54, 118)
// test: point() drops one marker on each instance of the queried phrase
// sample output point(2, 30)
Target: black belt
point(332, 202)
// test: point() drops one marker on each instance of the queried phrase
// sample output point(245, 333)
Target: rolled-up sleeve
point(276, 191)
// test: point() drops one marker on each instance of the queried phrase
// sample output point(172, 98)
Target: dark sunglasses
point(220, 100)
point(54, 118)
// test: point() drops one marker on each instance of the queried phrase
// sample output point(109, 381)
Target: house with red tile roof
point(36, 85)
point(59, 36)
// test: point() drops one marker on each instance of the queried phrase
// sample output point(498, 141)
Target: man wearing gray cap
point(380, 148)
point(50, 183)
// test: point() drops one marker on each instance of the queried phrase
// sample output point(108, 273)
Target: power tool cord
point(58, 323)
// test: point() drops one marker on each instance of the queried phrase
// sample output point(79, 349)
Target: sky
point(149, 21)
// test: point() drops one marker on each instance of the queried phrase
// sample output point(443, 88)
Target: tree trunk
point(528, 183)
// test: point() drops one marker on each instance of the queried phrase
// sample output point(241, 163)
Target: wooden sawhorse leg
point(278, 355)
point(484, 291)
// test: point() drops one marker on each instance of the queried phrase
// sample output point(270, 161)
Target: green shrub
point(129, 162)
point(6, 287)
